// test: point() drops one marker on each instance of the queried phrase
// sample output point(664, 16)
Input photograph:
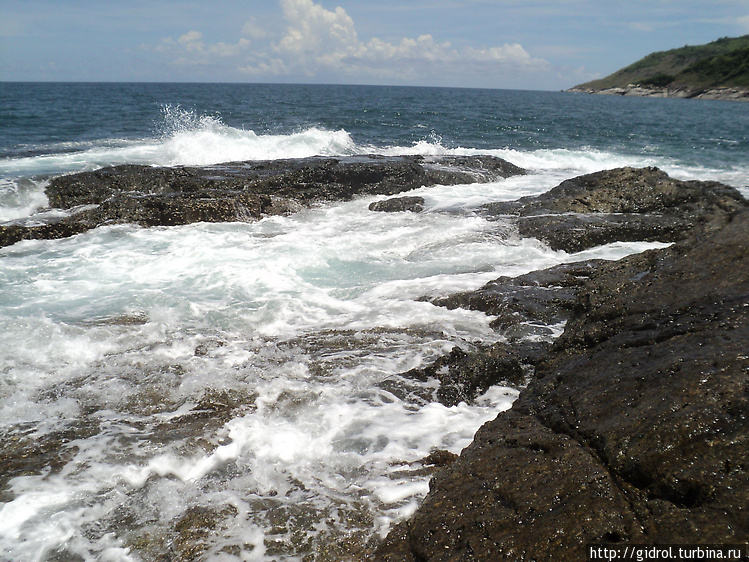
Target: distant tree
point(660, 80)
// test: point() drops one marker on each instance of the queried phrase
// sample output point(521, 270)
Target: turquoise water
point(249, 372)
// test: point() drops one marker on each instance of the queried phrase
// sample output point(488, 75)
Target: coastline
point(632, 429)
point(160, 343)
point(630, 426)
point(686, 92)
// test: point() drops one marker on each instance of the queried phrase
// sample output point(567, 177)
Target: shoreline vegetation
point(715, 71)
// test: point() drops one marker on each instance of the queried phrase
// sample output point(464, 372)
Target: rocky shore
point(634, 427)
point(239, 191)
point(727, 93)
point(631, 427)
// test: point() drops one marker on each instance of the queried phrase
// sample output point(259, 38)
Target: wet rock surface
point(529, 302)
point(635, 427)
point(241, 191)
point(621, 205)
point(465, 375)
point(398, 204)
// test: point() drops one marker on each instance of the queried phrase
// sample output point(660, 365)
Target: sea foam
point(250, 370)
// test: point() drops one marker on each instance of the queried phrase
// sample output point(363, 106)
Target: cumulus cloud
point(317, 41)
point(253, 29)
point(312, 29)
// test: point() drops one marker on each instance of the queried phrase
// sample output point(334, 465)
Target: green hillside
point(722, 63)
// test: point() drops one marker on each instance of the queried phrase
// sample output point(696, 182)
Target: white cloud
point(317, 38)
point(253, 29)
point(191, 50)
point(318, 42)
point(317, 31)
point(192, 41)
point(274, 67)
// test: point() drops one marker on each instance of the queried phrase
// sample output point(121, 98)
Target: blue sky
point(525, 44)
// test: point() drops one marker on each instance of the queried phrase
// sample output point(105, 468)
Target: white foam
point(306, 321)
point(397, 492)
point(187, 139)
point(20, 197)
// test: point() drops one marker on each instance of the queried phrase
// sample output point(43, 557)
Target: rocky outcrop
point(626, 204)
point(701, 93)
point(621, 205)
point(528, 304)
point(413, 204)
point(240, 191)
point(634, 429)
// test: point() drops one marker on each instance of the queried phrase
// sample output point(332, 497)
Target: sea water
point(234, 391)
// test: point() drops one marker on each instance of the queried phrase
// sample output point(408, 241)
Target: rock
point(578, 232)
point(463, 376)
point(15, 231)
point(670, 91)
point(239, 191)
point(399, 204)
point(440, 457)
point(625, 204)
point(634, 430)
point(528, 304)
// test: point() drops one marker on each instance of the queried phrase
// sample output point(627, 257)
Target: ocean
point(233, 391)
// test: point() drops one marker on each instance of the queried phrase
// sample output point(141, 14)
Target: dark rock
point(578, 232)
point(194, 530)
point(453, 170)
point(398, 204)
point(238, 191)
point(440, 457)
point(635, 429)
point(625, 204)
point(465, 375)
point(23, 452)
point(13, 232)
point(527, 303)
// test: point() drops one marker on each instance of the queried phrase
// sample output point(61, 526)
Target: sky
point(514, 44)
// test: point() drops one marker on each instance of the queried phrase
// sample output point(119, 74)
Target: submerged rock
point(239, 191)
point(465, 375)
point(634, 429)
point(621, 205)
point(399, 204)
point(527, 304)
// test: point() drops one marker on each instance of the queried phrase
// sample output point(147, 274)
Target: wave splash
point(187, 138)
point(195, 139)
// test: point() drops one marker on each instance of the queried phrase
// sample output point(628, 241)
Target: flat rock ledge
point(620, 205)
point(634, 427)
point(238, 191)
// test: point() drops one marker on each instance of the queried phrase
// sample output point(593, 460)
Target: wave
point(187, 138)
